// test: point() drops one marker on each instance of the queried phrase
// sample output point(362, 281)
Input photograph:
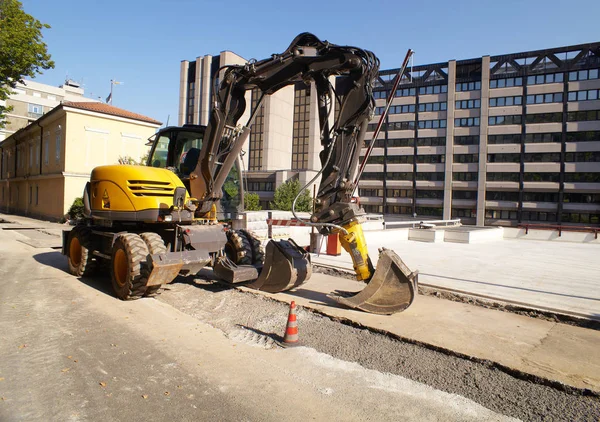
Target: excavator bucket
point(286, 266)
point(392, 288)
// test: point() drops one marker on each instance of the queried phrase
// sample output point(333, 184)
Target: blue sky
point(143, 42)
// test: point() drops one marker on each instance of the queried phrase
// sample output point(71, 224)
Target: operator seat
point(190, 161)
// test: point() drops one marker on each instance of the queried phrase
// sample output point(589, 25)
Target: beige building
point(505, 140)
point(30, 100)
point(45, 165)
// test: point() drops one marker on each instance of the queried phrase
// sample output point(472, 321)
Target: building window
point(540, 196)
point(465, 176)
point(556, 97)
point(395, 142)
point(541, 177)
point(465, 194)
point(301, 132)
point(548, 78)
point(582, 157)
point(580, 218)
point(261, 186)
point(544, 118)
point(466, 158)
point(190, 105)
point(256, 133)
point(30, 195)
point(542, 137)
point(505, 139)
point(501, 196)
point(468, 86)
point(430, 211)
point(396, 176)
point(439, 141)
point(398, 209)
point(506, 101)
point(580, 116)
point(35, 111)
point(506, 82)
point(370, 192)
point(587, 136)
point(37, 195)
point(504, 158)
point(392, 126)
point(435, 89)
point(431, 159)
point(391, 159)
point(58, 134)
point(399, 109)
point(47, 148)
point(431, 177)
point(464, 104)
point(399, 193)
point(542, 157)
point(426, 107)
point(502, 177)
point(30, 155)
point(582, 198)
point(432, 124)
point(466, 140)
point(590, 94)
point(582, 177)
point(380, 95)
point(504, 120)
point(406, 92)
point(373, 208)
point(430, 194)
point(466, 122)
point(583, 75)
point(463, 213)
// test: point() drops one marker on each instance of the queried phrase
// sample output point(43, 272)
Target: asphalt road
point(71, 351)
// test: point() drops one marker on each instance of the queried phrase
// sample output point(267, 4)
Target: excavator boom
point(391, 286)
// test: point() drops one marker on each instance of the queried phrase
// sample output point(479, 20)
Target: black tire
point(128, 258)
point(238, 248)
point(155, 245)
point(258, 252)
point(81, 261)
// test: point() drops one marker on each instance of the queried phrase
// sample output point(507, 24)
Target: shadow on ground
point(99, 281)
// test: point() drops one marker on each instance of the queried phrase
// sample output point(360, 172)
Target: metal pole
point(409, 53)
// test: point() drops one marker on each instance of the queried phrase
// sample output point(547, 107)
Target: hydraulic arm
point(307, 59)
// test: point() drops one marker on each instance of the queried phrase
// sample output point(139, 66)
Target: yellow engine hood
point(132, 188)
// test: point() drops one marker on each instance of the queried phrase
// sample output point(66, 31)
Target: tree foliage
point(285, 194)
point(22, 51)
point(76, 209)
point(252, 201)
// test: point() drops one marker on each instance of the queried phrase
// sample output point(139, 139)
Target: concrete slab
point(562, 353)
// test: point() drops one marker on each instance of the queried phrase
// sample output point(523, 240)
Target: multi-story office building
point(30, 100)
point(492, 140)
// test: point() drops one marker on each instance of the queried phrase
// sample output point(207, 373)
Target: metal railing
point(560, 228)
point(417, 223)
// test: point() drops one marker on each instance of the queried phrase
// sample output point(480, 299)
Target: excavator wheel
point(258, 252)
point(238, 248)
point(128, 257)
point(81, 262)
point(155, 245)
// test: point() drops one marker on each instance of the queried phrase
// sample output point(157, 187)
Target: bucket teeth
point(391, 289)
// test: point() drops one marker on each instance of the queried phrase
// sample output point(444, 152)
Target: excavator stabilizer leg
point(286, 266)
point(392, 288)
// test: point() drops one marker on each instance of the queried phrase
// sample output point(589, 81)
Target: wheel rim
point(120, 267)
point(75, 251)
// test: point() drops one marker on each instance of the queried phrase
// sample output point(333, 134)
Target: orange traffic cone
point(291, 330)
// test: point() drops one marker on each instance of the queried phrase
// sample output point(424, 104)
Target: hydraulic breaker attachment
point(286, 266)
point(391, 289)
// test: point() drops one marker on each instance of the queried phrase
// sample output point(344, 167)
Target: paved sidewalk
point(561, 277)
point(559, 352)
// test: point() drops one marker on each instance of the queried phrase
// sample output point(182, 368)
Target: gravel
point(258, 320)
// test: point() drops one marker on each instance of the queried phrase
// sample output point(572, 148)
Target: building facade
point(45, 166)
point(501, 140)
point(30, 100)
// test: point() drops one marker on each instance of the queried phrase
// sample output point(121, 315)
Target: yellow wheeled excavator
point(151, 223)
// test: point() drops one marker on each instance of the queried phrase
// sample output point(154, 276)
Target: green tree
point(252, 201)
point(285, 194)
point(22, 51)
